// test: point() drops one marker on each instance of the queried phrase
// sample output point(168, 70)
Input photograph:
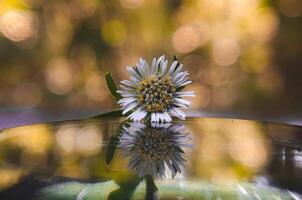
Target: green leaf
point(113, 113)
point(112, 86)
point(114, 140)
point(111, 149)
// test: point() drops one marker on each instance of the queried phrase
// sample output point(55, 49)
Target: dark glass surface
point(210, 154)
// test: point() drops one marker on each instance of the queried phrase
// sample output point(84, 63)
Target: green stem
point(151, 189)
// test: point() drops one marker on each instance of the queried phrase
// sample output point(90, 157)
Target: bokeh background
point(243, 55)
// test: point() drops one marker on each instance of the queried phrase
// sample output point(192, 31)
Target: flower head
point(154, 150)
point(155, 91)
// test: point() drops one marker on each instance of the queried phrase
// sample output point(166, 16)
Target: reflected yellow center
point(154, 145)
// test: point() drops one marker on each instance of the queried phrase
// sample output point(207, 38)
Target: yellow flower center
point(155, 93)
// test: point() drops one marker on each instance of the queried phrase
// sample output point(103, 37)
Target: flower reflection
point(154, 150)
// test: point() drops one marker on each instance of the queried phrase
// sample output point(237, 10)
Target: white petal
point(139, 125)
point(153, 117)
point(123, 100)
point(153, 65)
point(160, 59)
point(142, 71)
point(174, 64)
point(178, 113)
point(185, 83)
point(177, 70)
point(168, 118)
point(182, 101)
point(161, 117)
point(185, 94)
point(132, 72)
point(141, 68)
point(122, 91)
point(178, 76)
point(142, 115)
point(130, 107)
point(180, 105)
point(159, 62)
point(156, 117)
point(181, 79)
point(125, 95)
point(161, 125)
point(178, 128)
point(128, 83)
point(138, 115)
point(132, 130)
point(145, 66)
point(126, 104)
point(126, 101)
point(135, 80)
point(157, 66)
point(128, 89)
point(164, 68)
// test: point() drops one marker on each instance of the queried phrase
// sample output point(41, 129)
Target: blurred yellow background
point(243, 55)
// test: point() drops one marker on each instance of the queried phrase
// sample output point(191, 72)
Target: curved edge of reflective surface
point(223, 157)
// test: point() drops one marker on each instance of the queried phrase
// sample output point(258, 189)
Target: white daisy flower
point(155, 91)
point(155, 151)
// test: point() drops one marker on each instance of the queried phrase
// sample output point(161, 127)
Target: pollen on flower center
point(155, 93)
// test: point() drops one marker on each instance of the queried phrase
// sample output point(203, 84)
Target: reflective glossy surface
point(213, 155)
